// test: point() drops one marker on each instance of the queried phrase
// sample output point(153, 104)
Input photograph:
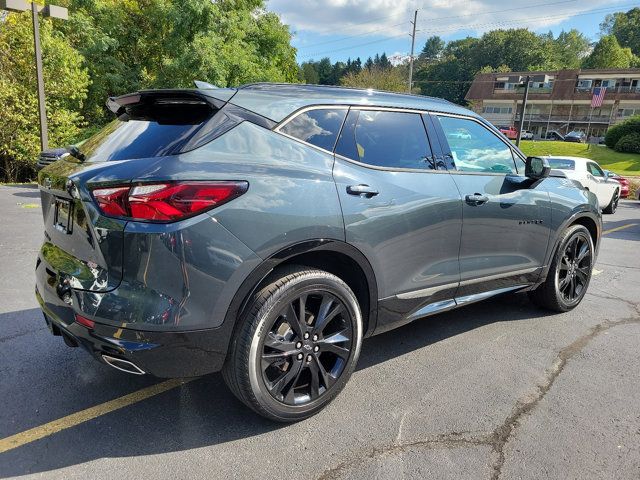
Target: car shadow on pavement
point(198, 414)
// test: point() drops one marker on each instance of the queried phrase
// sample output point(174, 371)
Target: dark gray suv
point(265, 231)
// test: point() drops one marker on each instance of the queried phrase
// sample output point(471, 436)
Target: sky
point(341, 29)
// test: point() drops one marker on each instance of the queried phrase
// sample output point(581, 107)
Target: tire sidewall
point(312, 280)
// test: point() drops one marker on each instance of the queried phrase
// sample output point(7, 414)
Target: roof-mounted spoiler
point(119, 105)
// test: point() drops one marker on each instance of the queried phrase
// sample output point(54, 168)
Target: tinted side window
point(595, 170)
point(317, 127)
point(386, 139)
point(475, 148)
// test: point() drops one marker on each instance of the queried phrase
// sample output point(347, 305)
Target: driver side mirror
point(537, 168)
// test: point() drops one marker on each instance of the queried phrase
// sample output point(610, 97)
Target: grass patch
point(621, 163)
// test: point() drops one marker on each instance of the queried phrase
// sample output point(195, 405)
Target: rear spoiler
point(216, 98)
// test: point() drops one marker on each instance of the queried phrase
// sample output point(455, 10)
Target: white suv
point(592, 177)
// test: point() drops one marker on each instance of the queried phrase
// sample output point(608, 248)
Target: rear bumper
point(162, 354)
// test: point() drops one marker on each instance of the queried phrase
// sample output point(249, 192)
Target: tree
point(449, 79)
point(609, 54)
point(368, 64)
point(389, 79)
point(432, 49)
point(625, 27)
point(570, 48)
point(325, 70)
point(520, 49)
point(384, 61)
point(169, 43)
point(66, 84)
point(309, 73)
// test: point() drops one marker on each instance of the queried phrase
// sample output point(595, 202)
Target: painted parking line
point(42, 431)
point(617, 229)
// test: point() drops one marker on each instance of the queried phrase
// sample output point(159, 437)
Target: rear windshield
point(562, 163)
point(148, 132)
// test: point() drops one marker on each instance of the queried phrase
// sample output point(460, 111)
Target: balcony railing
point(564, 118)
point(609, 89)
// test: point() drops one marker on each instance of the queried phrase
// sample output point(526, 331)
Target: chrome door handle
point(362, 190)
point(476, 199)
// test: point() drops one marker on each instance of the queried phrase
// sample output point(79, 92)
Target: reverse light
point(166, 201)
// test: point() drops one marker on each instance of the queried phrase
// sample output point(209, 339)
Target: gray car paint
point(410, 233)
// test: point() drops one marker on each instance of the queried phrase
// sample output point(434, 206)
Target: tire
point(287, 370)
point(556, 293)
point(613, 204)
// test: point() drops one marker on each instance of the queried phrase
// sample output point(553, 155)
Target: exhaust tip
point(123, 365)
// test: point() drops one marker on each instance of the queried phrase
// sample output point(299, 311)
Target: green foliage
point(66, 90)
point(630, 143)
point(432, 49)
point(569, 49)
point(609, 54)
point(616, 132)
point(379, 78)
point(133, 44)
point(625, 27)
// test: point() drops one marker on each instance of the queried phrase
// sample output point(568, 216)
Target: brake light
point(166, 202)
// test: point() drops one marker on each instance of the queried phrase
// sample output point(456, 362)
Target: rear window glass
point(149, 132)
point(562, 163)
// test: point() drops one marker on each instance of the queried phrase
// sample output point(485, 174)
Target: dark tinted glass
point(475, 148)
point(562, 163)
point(595, 170)
point(386, 139)
point(317, 127)
point(162, 131)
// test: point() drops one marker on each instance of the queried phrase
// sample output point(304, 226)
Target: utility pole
point(413, 43)
point(524, 109)
point(52, 11)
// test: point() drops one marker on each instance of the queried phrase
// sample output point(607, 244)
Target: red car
point(509, 132)
point(624, 183)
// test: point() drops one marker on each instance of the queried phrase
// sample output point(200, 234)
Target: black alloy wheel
point(307, 347)
point(574, 269)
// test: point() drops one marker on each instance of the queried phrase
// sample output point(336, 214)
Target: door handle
point(362, 190)
point(476, 199)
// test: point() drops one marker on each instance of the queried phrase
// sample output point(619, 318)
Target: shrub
point(630, 143)
point(615, 133)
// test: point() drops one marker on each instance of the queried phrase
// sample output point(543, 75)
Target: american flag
point(598, 97)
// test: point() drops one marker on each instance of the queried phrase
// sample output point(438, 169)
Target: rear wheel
point(570, 272)
point(613, 205)
point(297, 346)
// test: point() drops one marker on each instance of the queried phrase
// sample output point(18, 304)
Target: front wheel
point(297, 346)
point(570, 272)
point(613, 205)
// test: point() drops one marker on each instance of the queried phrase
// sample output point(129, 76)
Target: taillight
point(85, 321)
point(167, 201)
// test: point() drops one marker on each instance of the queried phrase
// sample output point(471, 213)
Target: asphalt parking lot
point(498, 389)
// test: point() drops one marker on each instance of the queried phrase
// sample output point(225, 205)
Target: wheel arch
point(333, 256)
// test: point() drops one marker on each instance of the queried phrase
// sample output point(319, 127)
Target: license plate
point(62, 219)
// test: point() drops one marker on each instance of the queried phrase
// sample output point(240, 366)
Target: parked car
point(527, 135)
point(266, 230)
point(575, 137)
point(509, 132)
point(592, 177)
point(554, 135)
point(47, 157)
point(624, 183)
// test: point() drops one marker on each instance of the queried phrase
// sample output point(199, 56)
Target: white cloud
point(390, 18)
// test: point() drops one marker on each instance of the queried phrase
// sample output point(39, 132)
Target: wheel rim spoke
point(301, 359)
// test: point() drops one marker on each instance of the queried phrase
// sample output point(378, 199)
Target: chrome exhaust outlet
point(123, 365)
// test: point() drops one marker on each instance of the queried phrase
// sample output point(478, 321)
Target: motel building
point(558, 100)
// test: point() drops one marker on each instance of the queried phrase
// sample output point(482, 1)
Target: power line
point(472, 26)
point(370, 32)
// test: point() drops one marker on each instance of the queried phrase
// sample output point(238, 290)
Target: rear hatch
point(83, 248)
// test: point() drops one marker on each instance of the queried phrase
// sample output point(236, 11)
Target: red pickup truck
point(510, 132)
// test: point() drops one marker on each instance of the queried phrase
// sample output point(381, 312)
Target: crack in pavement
point(501, 435)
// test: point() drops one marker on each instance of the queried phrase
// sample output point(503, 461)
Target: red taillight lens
point(166, 202)
point(85, 321)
